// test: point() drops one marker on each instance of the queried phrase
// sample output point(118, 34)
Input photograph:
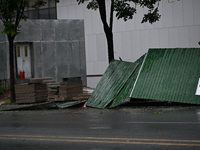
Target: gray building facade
point(47, 48)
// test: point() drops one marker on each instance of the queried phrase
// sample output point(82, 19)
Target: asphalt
point(160, 127)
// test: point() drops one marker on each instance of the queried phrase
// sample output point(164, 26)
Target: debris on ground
point(169, 75)
point(47, 90)
point(43, 106)
point(45, 93)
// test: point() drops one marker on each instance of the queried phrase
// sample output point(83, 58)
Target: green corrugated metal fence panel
point(112, 82)
point(124, 94)
point(70, 104)
point(169, 75)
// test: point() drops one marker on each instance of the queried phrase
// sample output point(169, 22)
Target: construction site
point(161, 75)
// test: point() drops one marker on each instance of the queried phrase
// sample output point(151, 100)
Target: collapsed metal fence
point(170, 75)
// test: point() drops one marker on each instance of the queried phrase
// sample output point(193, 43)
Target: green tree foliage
point(124, 9)
point(11, 13)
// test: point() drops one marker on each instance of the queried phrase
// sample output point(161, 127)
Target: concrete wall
point(58, 47)
point(179, 27)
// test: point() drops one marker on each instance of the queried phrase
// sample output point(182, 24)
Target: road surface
point(164, 128)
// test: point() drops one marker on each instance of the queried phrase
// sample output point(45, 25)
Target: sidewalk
point(42, 106)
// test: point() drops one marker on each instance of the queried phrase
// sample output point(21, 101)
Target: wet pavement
point(135, 128)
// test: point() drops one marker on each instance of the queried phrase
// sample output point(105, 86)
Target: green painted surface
point(124, 94)
point(69, 104)
point(111, 84)
point(170, 75)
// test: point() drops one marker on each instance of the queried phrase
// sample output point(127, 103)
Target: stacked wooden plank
point(85, 94)
point(67, 92)
point(53, 93)
point(46, 89)
point(71, 87)
point(31, 92)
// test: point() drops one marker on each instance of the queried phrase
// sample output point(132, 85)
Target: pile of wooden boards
point(84, 95)
point(46, 89)
point(32, 92)
point(53, 93)
point(71, 87)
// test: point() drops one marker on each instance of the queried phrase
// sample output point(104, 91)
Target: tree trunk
point(12, 75)
point(109, 37)
point(107, 29)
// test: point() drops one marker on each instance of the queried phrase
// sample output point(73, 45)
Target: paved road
point(93, 129)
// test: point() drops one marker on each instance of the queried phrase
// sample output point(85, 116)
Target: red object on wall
point(22, 75)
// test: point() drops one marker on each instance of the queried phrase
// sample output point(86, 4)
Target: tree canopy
point(124, 9)
point(12, 12)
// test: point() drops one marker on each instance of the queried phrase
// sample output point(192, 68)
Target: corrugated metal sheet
point(124, 94)
point(114, 84)
point(70, 104)
point(169, 75)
